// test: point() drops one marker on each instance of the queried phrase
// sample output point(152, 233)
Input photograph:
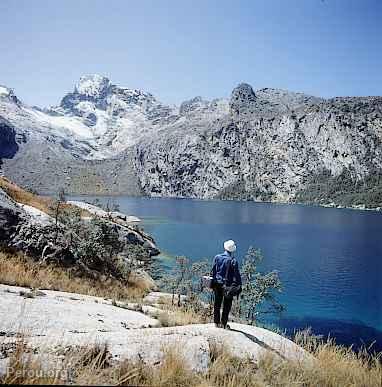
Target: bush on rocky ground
point(92, 246)
point(70, 237)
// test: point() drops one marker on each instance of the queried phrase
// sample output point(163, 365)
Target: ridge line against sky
point(177, 50)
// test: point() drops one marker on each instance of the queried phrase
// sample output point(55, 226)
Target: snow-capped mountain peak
point(94, 92)
point(92, 85)
point(7, 93)
point(100, 119)
point(4, 91)
point(103, 118)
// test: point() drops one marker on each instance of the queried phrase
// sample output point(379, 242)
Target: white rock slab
point(58, 314)
point(60, 319)
point(36, 215)
point(163, 298)
point(102, 213)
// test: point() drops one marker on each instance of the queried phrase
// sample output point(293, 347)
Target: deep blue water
point(329, 260)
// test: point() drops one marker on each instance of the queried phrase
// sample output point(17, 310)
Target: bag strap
point(226, 272)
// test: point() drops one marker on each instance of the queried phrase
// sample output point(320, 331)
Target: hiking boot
point(217, 325)
point(226, 326)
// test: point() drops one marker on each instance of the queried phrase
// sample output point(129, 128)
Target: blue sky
point(178, 49)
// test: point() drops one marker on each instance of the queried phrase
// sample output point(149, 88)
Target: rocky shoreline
point(361, 207)
point(36, 233)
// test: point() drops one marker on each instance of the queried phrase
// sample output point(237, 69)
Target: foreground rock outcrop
point(50, 320)
point(10, 216)
point(65, 241)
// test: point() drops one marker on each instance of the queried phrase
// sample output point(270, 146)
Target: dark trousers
point(227, 304)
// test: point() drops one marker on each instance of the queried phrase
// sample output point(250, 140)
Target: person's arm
point(213, 271)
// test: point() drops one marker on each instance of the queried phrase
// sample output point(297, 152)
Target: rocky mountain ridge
point(267, 145)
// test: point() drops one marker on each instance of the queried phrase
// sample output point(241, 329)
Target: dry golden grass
point(42, 203)
point(143, 283)
point(228, 370)
point(172, 372)
point(18, 270)
point(24, 368)
point(21, 196)
point(339, 366)
point(174, 316)
point(89, 365)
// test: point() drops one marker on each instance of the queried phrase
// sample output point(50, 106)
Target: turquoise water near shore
point(329, 260)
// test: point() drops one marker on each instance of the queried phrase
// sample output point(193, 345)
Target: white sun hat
point(230, 246)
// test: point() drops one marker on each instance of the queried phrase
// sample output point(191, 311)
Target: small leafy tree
point(56, 207)
point(259, 290)
point(185, 279)
point(96, 244)
point(198, 269)
point(177, 280)
point(73, 224)
point(98, 247)
point(111, 206)
point(96, 202)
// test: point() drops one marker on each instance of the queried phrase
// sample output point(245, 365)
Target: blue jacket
point(220, 267)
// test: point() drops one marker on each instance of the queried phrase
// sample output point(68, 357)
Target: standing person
point(225, 273)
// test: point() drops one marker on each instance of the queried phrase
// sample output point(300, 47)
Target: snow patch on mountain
point(72, 125)
point(4, 91)
point(92, 85)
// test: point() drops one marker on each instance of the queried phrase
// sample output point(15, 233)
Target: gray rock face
point(46, 165)
point(266, 149)
point(242, 98)
point(266, 144)
point(19, 230)
point(24, 229)
point(8, 143)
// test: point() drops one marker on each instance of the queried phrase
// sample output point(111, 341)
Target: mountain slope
point(267, 148)
point(116, 117)
point(267, 144)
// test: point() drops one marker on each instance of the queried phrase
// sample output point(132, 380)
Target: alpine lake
point(329, 260)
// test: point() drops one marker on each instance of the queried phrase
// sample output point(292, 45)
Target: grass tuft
point(174, 316)
point(93, 364)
